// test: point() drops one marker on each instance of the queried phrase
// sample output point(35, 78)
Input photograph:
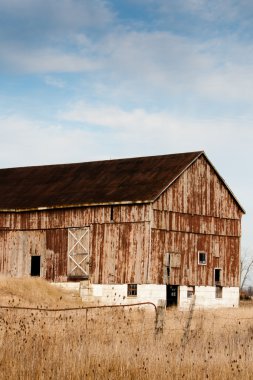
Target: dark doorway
point(217, 276)
point(171, 295)
point(35, 265)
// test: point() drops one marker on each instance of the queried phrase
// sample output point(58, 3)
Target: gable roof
point(130, 180)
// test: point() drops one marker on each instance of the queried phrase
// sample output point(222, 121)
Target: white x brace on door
point(78, 252)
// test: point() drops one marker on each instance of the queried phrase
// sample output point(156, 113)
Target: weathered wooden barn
point(128, 230)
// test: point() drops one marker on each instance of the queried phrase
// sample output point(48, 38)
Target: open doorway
point(171, 295)
point(217, 276)
point(35, 266)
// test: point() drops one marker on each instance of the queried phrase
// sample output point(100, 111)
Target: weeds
point(121, 344)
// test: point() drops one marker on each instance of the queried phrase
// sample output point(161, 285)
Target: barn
point(125, 231)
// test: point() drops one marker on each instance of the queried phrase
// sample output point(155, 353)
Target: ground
point(117, 343)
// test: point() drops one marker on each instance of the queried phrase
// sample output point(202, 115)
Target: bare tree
point(246, 267)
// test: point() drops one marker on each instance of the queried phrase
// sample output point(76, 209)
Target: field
point(117, 343)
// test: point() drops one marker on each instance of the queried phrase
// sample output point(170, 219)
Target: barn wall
point(209, 225)
point(102, 294)
point(199, 191)
point(120, 253)
point(119, 242)
point(222, 252)
point(197, 213)
point(74, 217)
point(17, 247)
point(205, 297)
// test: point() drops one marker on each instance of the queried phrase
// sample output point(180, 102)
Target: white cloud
point(54, 82)
point(149, 64)
point(161, 127)
point(58, 14)
point(137, 64)
point(27, 142)
point(103, 132)
point(219, 69)
point(46, 61)
point(234, 83)
point(210, 11)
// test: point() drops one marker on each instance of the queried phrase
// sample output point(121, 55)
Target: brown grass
point(35, 292)
point(121, 344)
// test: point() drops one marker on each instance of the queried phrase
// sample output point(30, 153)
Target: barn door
point(78, 252)
point(172, 295)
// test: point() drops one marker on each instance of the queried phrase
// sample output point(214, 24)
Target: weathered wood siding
point(197, 213)
point(74, 217)
point(17, 247)
point(120, 253)
point(175, 221)
point(199, 191)
point(222, 252)
point(118, 248)
point(129, 243)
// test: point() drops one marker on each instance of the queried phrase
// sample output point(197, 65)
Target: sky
point(84, 80)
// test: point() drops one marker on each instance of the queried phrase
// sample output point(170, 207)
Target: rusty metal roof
point(127, 180)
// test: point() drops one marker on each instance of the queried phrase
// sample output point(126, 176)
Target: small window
point(202, 258)
point(218, 291)
point(190, 291)
point(131, 290)
point(35, 265)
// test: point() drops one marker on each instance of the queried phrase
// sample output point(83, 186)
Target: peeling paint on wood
point(196, 213)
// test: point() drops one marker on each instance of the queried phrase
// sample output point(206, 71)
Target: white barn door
point(78, 252)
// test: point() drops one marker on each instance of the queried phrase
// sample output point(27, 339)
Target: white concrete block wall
point(117, 294)
point(151, 293)
point(205, 297)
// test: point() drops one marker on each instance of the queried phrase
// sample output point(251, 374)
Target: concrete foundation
point(206, 297)
point(200, 296)
point(118, 294)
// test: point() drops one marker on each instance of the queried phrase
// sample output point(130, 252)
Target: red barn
point(138, 229)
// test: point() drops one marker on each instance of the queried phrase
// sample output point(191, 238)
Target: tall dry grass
point(121, 344)
point(35, 292)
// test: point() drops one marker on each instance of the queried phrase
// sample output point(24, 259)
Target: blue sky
point(83, 80)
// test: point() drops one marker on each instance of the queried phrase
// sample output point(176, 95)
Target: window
point(190, 291)
point(217, 276)
point(35, 265)
point(202, 258)
point(131, 290)
point(218, 291)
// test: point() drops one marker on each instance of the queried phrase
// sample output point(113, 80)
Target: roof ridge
point(100, 161)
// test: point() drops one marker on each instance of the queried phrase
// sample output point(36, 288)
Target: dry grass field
point(115, 343)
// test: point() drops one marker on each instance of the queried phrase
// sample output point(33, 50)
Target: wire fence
point(151, 318)
point(95, 332)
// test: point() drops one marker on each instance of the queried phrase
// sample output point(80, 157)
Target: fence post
point(160, 313)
